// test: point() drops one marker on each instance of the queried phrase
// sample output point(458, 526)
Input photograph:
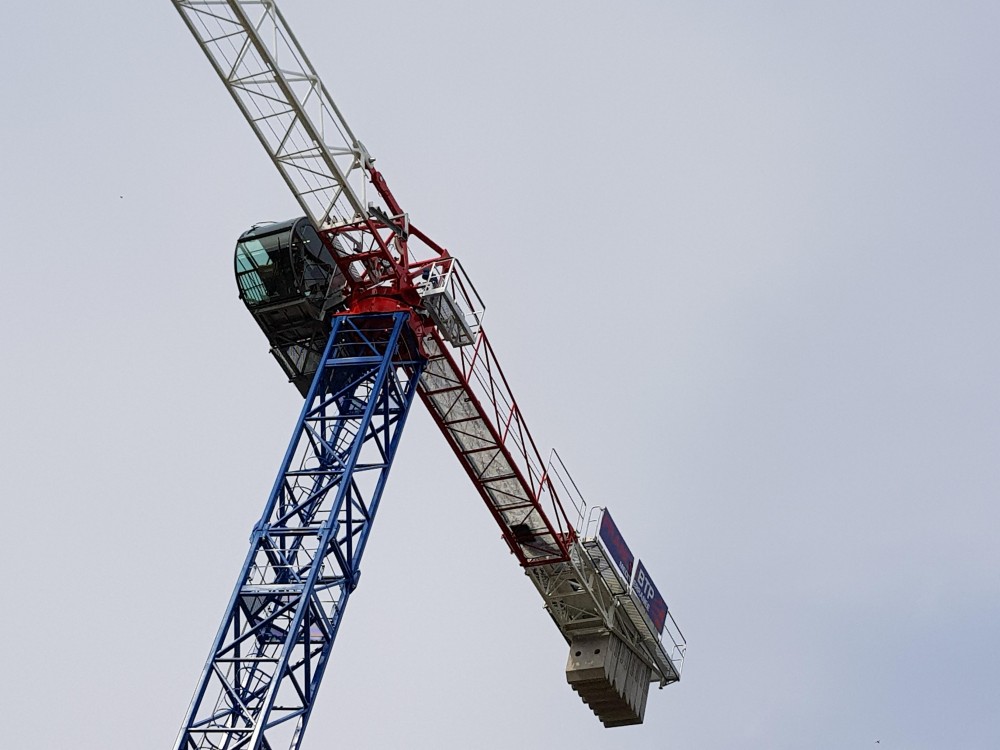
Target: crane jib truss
point(260, 681)
point(283, 99)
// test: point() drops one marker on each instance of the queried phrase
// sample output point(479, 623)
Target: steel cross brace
point(259, 684)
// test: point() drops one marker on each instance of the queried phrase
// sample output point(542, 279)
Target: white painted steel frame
point(584, 596)
point(279, 92)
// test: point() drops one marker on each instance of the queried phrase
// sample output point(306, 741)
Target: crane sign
point(365, 313)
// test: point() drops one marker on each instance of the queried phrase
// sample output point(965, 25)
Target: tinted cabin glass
point(264, 269)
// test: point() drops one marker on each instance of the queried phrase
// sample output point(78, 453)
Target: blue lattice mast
point(260, 682)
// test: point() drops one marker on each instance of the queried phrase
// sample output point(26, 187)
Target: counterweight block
point(610, 678)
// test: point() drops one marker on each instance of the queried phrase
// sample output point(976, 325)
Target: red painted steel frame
point(479, 380)
point(471, 401)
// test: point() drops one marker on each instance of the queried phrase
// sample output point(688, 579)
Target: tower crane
point(365, 314)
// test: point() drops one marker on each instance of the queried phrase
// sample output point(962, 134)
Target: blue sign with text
point(645, 589)
point(614, 543)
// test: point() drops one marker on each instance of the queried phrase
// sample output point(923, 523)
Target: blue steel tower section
point(260, 681)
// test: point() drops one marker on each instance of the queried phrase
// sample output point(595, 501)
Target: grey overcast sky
point(741, 264)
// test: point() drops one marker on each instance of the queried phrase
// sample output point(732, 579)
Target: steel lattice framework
point(326, 167)
point(426, 339)
point(282, 97)
point(260, 682)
